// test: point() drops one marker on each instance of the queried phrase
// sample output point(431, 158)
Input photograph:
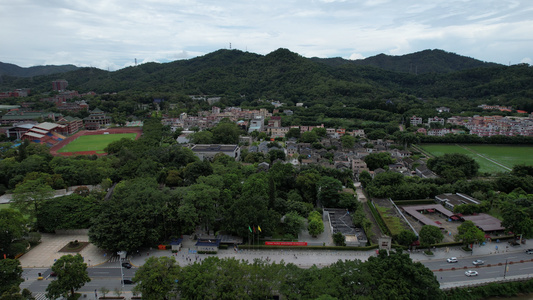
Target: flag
point(258, 227)
point(253, 228)
point(249, 228)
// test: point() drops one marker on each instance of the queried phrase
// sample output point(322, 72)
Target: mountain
point(16, 71)
point(427, 61)
point(287, 76)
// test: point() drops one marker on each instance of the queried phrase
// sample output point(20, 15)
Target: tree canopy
point(71, 275)
point(157, 278)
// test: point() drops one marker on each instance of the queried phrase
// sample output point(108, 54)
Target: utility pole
point(505, 271)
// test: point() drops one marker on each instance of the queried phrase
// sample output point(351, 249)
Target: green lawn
point(94, 142)
point(393, 223)
point(487, 155)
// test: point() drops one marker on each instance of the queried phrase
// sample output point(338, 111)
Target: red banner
point(286, 243)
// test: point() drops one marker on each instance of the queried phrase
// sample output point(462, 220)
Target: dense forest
point(14, 70)
point(288, 77)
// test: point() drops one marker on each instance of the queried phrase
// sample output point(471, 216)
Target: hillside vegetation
point(286, 76)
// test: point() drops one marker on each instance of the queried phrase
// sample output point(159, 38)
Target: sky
point(111, 34)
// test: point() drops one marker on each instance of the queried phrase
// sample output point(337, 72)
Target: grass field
point(491, 158)
point(94, 142)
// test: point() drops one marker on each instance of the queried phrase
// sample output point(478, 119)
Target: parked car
point(471, 273)
point(128, 281)
point(529, 251)
point(478, 262)
point(452, 260)
point(126, 265)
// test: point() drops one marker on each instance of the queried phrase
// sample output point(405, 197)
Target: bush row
point(507, 289)
point(414, 202)
point(344, 248)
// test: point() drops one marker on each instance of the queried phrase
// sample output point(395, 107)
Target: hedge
point(342, 248)
point(378, 219)
point(494, 289)
point(414, 202)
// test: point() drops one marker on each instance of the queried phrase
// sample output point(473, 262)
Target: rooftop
point(213, 148)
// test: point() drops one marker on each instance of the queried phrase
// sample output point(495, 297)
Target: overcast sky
point(110, 34)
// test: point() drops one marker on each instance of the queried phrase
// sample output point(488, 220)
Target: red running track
point(63, 143)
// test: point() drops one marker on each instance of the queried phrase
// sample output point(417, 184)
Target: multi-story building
point(435, 120)
point(59, 85)
point(415, 121)
point(204, 151)
point(96, 119)
point(257, 124)
point(72, 124)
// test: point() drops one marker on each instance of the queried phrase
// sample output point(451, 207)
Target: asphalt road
point(493, 267)
point(109, 274)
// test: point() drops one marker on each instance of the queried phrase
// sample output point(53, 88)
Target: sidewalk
point(444, 253)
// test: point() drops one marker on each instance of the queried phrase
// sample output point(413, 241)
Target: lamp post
point(505, 271)
point(120, 266)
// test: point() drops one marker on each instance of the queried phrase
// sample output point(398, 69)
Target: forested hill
point(286, 76)
point(427, 61)
point(16, 71)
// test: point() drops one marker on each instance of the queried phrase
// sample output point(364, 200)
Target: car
point(471, 273)
point(478, 262)
point(126, 265)
point(127, 281)
point(53, 274)
point(452, 260)
point(529, 251)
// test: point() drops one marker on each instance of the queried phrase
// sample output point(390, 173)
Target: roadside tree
point(157, 278)
point(430, 234)
point(71, 275)
point(406, 238)
point(517, 216)
point(315, 224)
point(468, 233)
point(12, 232)
point(10, 274)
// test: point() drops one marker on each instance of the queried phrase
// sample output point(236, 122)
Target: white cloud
point(356, 56)
point(526, 60)
point(112, 33)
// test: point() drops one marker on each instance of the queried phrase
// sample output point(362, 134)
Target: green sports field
point(491, 158)
point(94, 142)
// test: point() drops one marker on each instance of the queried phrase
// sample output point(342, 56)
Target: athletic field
point(491, 158)
point(95, 142)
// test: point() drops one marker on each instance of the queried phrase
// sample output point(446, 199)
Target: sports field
point(491, 158)
point(94, 142)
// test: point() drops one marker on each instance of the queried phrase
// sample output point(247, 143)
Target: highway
point(107, 275)
point(518, 264)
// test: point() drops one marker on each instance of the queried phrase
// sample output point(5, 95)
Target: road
point(519, 264)
point(107, 275)
point(494, 267)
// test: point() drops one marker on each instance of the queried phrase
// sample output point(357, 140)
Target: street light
point(120, 266)
point(505, 271)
